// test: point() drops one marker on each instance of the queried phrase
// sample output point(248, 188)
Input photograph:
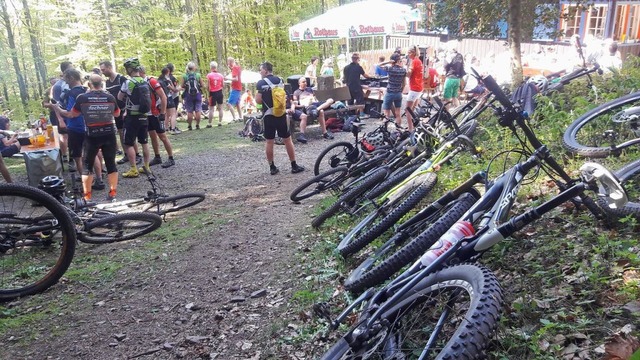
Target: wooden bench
point(338, 94)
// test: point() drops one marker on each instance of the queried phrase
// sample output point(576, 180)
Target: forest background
point(36, 35)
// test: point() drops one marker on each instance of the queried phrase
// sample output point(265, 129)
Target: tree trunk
point(107, 24)
point(217, 35)
point(515, 39)
point(192, 35)
point(24, 95)
point(41, 70)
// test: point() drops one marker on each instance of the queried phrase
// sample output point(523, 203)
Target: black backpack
point(141, 96)
point(193, 87)
point(165, 87)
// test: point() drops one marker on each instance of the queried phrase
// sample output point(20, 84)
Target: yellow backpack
point(279, 97)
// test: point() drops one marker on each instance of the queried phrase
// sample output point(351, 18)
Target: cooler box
point(42, 163)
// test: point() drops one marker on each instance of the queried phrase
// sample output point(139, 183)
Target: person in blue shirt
point(75, 125)
point(380, 70)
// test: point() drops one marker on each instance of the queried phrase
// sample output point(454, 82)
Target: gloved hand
point(161, 117)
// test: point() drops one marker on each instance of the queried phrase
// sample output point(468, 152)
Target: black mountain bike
point(95, 225)
point(443, 307)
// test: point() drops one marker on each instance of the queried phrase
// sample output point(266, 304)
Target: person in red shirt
point(156, 122)
point(416, 85)
point(215, 80)
point(236, 88)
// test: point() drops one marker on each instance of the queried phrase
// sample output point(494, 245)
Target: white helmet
point(375, 138)
point(540, 81)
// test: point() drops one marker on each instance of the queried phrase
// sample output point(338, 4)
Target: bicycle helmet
point(375, 138)
point(53, 185)
point(540, 81)
point(132, 63)
point(421, 139)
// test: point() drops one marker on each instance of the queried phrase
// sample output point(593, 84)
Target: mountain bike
point(442, 306)
point(344, 153)
point(341, 179)
point(155, 201)
point(37, 241)
point(95, 225)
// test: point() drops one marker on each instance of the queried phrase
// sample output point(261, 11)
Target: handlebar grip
point(493, 86)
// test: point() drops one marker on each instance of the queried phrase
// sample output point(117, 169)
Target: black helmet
point(132, 63)
point(52, 184)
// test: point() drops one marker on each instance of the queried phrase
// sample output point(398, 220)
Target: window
point(633, 32)
point(570, 23)
point(596, 20)
point(626, 23)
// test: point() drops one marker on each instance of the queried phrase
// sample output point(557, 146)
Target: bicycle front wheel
point(169, 204)
point(119, 227)
point(328, 180)
point(37, 241)
point(597, 133)
point(451, 314)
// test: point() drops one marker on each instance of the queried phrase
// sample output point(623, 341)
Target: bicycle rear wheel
point(333, 156)
point(169, 204)
point(326, 181)
point(597, 133)
point(405, 203)
point(119, 227)
point(451, 314)
point(37, 241)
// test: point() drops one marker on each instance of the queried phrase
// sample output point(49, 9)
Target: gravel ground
point(224, 293)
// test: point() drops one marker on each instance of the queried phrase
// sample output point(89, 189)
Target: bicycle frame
point(443, 154)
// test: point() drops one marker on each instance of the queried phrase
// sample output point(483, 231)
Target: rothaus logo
point(368, 29)
point(295, 34)
point(324, 32)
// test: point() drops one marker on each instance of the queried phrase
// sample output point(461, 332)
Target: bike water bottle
point(458, 231)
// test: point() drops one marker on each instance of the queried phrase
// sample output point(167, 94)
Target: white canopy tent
point(354, 20)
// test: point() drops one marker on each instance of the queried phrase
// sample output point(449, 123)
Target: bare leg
point(198, 116)
point(4, 171)
point(167, 144)
point(153, 136)
point(233, 113)
point(268, 149)
point(113, 181)
point(211, 108)
point(288, 144)
point(145, 155)
point(239, 111)
point(87, 180)
point(189, 119)
point(220, 113)
point(321, 122)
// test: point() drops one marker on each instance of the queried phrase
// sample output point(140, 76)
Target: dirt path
point(222, 292)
